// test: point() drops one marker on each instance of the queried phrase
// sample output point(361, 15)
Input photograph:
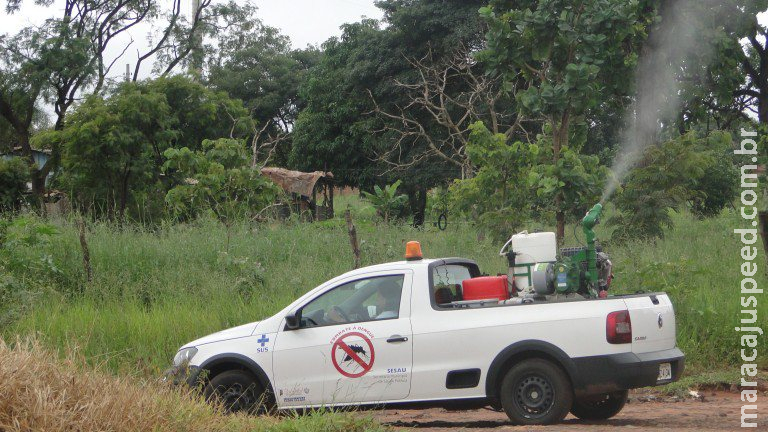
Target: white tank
point(531, 249)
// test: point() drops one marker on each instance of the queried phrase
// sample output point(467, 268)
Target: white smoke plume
point(674, 42)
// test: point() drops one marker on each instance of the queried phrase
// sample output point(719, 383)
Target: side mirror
point(293, 321)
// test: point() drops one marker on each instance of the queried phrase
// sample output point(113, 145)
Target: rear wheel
point(236, 391)
point(599, 407)
point(536, 392)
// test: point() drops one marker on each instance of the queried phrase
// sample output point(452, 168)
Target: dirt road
point(716, 411)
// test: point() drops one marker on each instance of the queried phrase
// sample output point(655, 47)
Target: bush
point(14, 174)
point(386, 201)
point(218, 179)
point(686, 170)
point(717, 187)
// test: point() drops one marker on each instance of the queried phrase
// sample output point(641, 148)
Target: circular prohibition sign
point(352, 364)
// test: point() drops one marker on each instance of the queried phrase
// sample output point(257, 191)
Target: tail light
point(618, 327)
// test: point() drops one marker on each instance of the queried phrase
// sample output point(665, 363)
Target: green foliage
point(717, 187)
point(494, 196)
point(14, 174)
point(386, 201)
point(670, 176)
point(254, 63)
point(198, 112)
point(573, 54)
point(218, 178)
point(578, 178)
point(110, 148)
point(25, 264)
point(567, 58)
point(113, 148)
point(339, 131)
point(333, 133)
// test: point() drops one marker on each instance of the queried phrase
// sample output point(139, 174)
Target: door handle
point(397, 338)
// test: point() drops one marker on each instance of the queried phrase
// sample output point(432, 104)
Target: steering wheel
point(311, 321)
point(341, 312)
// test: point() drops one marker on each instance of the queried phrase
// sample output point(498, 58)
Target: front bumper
point(608, 373)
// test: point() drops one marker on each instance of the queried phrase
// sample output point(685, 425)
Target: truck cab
point(403, 332)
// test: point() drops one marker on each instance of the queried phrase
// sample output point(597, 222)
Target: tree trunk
point(762, 107)
point(559, 140)
point(418, 204)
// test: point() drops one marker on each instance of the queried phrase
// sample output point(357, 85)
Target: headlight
point(184, 356)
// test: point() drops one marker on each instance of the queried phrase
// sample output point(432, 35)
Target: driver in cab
point(385, 304)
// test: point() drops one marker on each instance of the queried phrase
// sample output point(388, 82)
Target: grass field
point(154, 290)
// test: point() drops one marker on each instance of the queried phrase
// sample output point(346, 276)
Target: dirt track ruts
point(718, 411)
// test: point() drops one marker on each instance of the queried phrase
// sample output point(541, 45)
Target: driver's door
point(355, 358)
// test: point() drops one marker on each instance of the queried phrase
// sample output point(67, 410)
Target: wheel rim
point(236, 398)
point(535, 396)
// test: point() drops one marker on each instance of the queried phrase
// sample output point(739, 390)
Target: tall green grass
point(154, 290)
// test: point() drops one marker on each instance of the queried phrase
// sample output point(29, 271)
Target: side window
point(446, 283)
point(369, 299)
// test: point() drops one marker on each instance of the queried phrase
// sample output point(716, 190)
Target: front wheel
point(599, 407)
point(236, 391)
point(536, 392)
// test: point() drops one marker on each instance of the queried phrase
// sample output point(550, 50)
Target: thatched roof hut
point(305, 190)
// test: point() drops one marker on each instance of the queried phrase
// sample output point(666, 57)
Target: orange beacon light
point(413, 251)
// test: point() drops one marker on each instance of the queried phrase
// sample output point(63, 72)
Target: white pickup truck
point(400, 333)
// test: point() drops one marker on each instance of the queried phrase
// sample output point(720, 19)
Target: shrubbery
point(14, 175)
point(684, 171)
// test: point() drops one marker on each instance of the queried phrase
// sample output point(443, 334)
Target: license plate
point(665, 372)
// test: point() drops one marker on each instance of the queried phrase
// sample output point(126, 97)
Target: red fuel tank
point(485, 287)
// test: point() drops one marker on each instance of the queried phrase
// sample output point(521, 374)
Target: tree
point(260, 68)
point(200, 112)
point(445, 99)
point(494, 196)
point(337, 130)
point(109, 146)
point(113, 148)
point(754, 59)
point(255, 63)
point(668, 178)
point(58, 61)
point(219, 179)
point(333, 133)
point(571, 55)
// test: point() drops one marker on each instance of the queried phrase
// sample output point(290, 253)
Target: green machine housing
point(581, 270)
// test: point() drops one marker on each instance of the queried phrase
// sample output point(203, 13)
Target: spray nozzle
point(592, 217)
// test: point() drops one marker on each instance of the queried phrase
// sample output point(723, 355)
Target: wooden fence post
point(353, 238)
point(84, 246)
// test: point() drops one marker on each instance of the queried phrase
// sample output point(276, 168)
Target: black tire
point(536, 392)
point(599, 407)
point(442, 221)
point(236, 391)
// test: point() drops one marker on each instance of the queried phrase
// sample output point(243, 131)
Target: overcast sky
point(312, 21)
point(306, 22)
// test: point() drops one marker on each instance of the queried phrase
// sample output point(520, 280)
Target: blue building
point(41, 158)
